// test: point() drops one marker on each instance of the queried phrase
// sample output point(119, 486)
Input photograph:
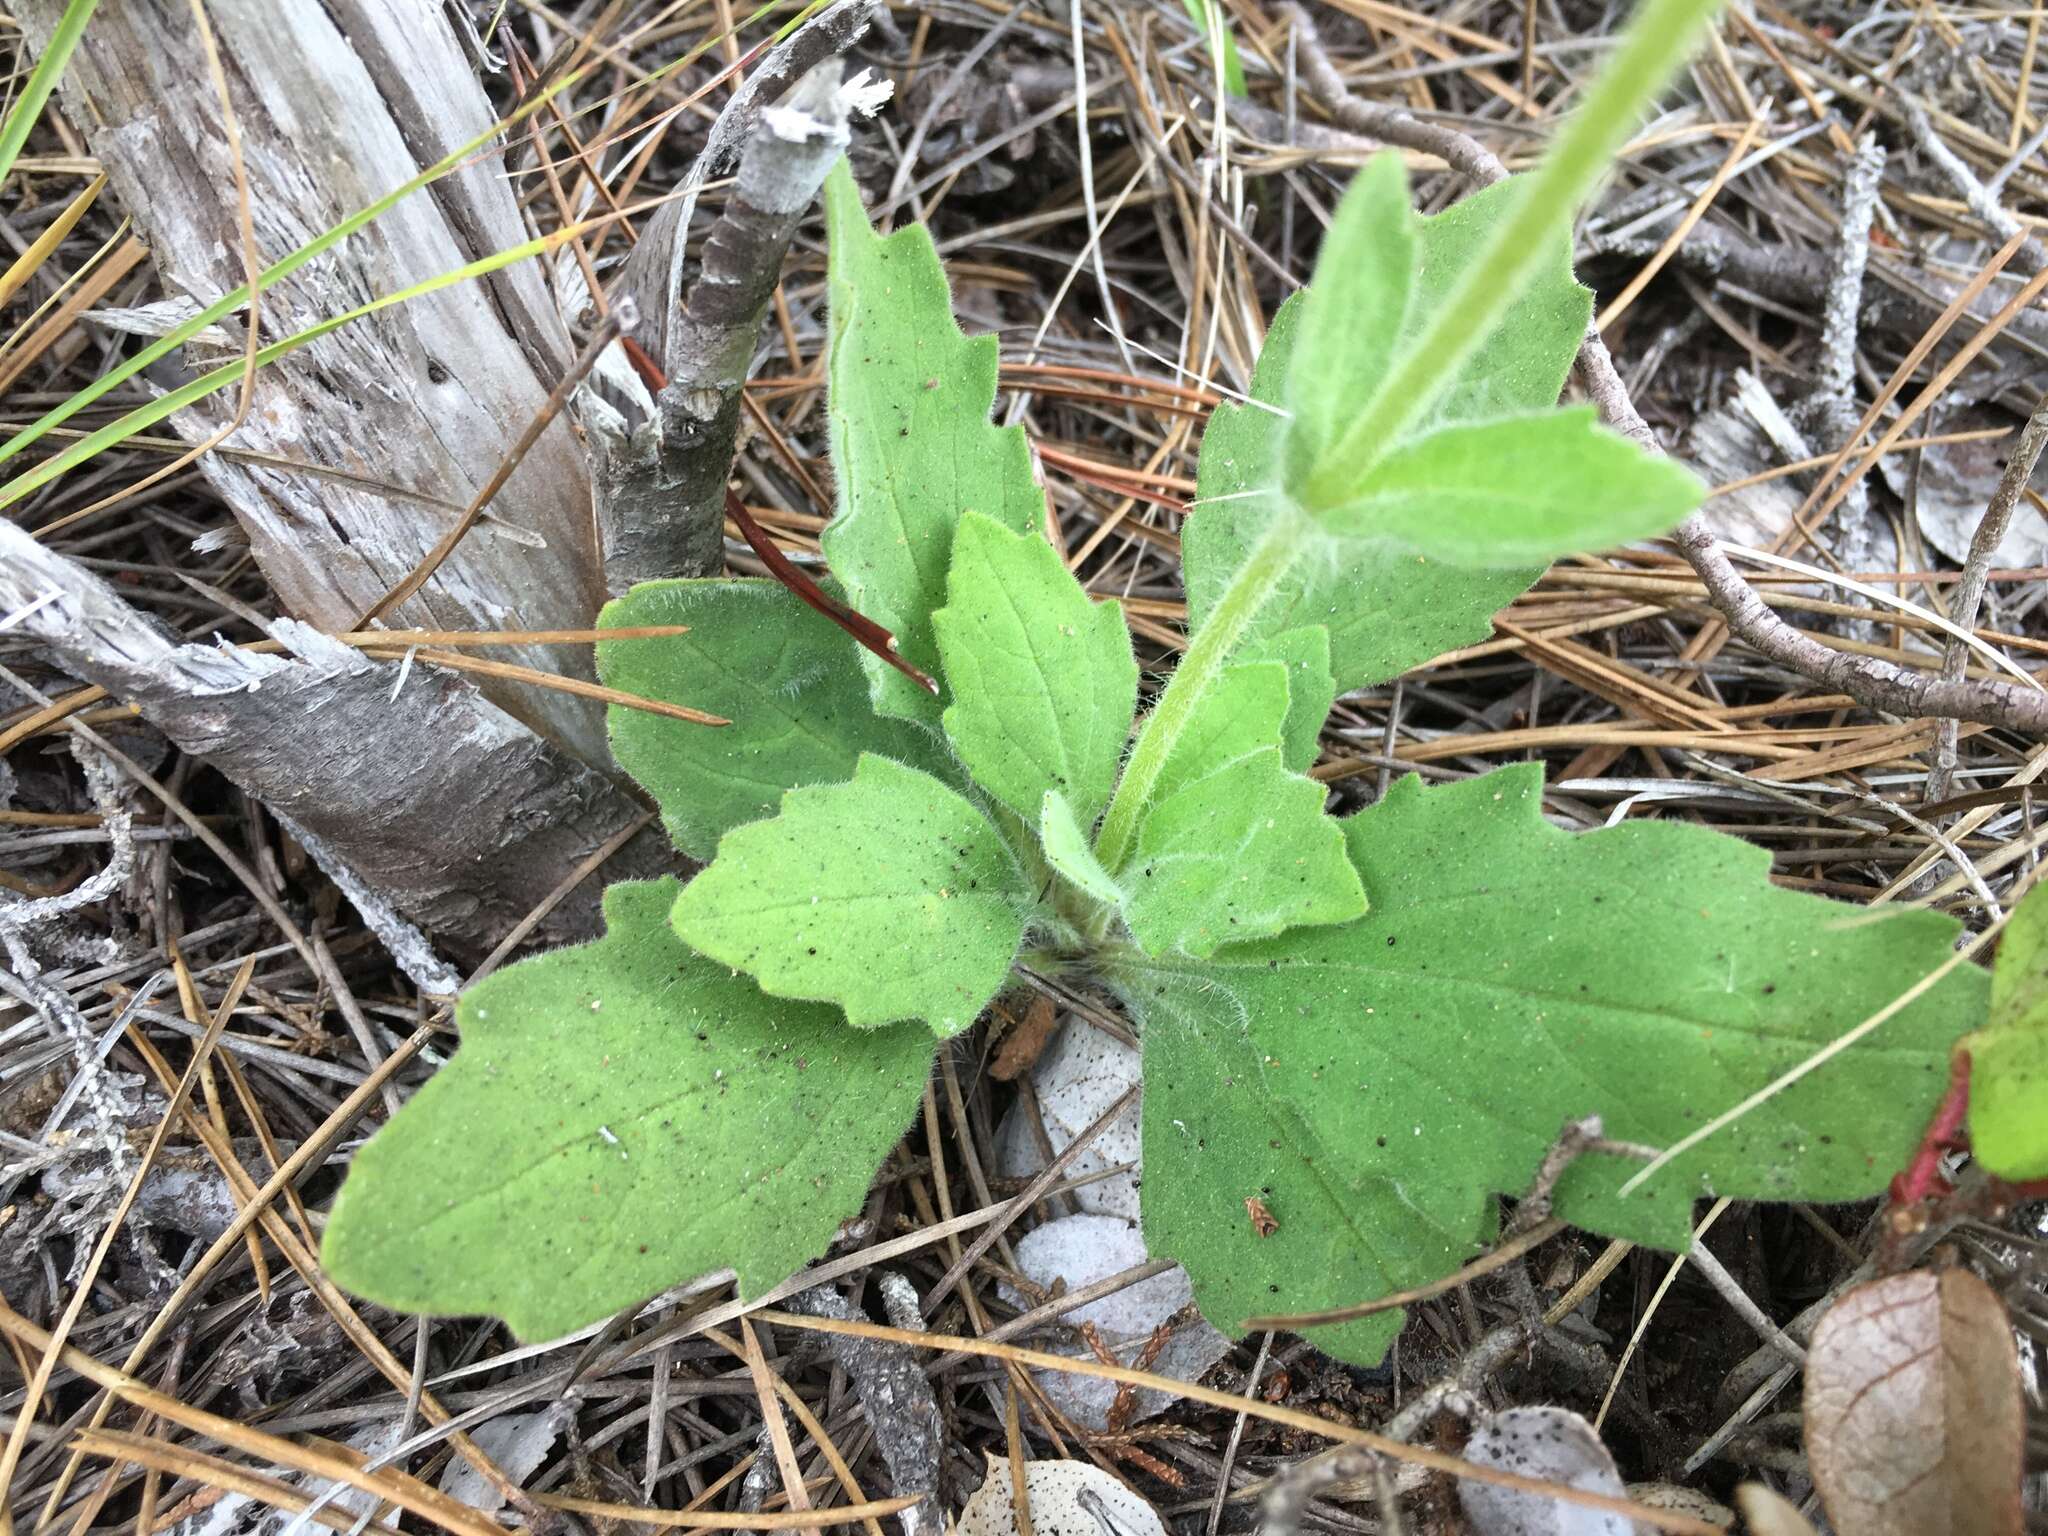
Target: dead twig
point(1830, 408)
point(462, 846)
point(896, 1397)
point(664, 454)
point(1981, 200)
point(1969, 593)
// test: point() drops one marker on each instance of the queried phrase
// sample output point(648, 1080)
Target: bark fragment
point(664, 459)
point(463, 818)
point(339, 104)
point(896, 1396)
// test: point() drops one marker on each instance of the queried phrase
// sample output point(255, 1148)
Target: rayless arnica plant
point(1373, 1026)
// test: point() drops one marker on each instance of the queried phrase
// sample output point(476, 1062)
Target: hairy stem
point(1662, 34)
point(1872, 681)
point(1249, 591)
point(1658, 40)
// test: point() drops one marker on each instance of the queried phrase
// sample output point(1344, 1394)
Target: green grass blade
point(29, 105)
point(146, 416)
point(230, 302)
point(1222, 40)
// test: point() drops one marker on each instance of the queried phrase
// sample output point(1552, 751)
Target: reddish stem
point(1921, 1197)
point(649, 370)
point(1922, 1178)
point(863, 629)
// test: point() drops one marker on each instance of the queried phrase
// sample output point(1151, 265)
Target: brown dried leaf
point(1913, 1409)
point(1026, 1039)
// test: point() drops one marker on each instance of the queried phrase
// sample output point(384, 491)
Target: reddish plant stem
point(1921, 1189)
point(1922, 1178)
point(863, 629)
point(649, 371)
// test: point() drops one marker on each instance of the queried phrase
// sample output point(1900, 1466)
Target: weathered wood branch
point(895, 1395)
point(664, 459)
point(338, 104)
point(463, 809)
point(460, 816)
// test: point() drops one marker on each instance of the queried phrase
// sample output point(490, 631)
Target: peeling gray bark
point(663, 461)
point(340, 103)
point(461, 807)
point(896, 1396)
point(459, 815)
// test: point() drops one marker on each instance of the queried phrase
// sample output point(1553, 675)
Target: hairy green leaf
point(1231, 844)
point(1517, 490)
point(2009, 1055)
point(2009, 1102)
point(1065, 842)
point(911, 438)
point(1522, 364)
point(621, 1116)
point(1244, 852)
point(1387, 608)
point(1311, 690)
point(1043, 680)
point(891, 896)
point(785, 676)
point(1246, 712)
point(1352, 314)
point(2019, 977)
point(1375, 1084)
point(1537, 213)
